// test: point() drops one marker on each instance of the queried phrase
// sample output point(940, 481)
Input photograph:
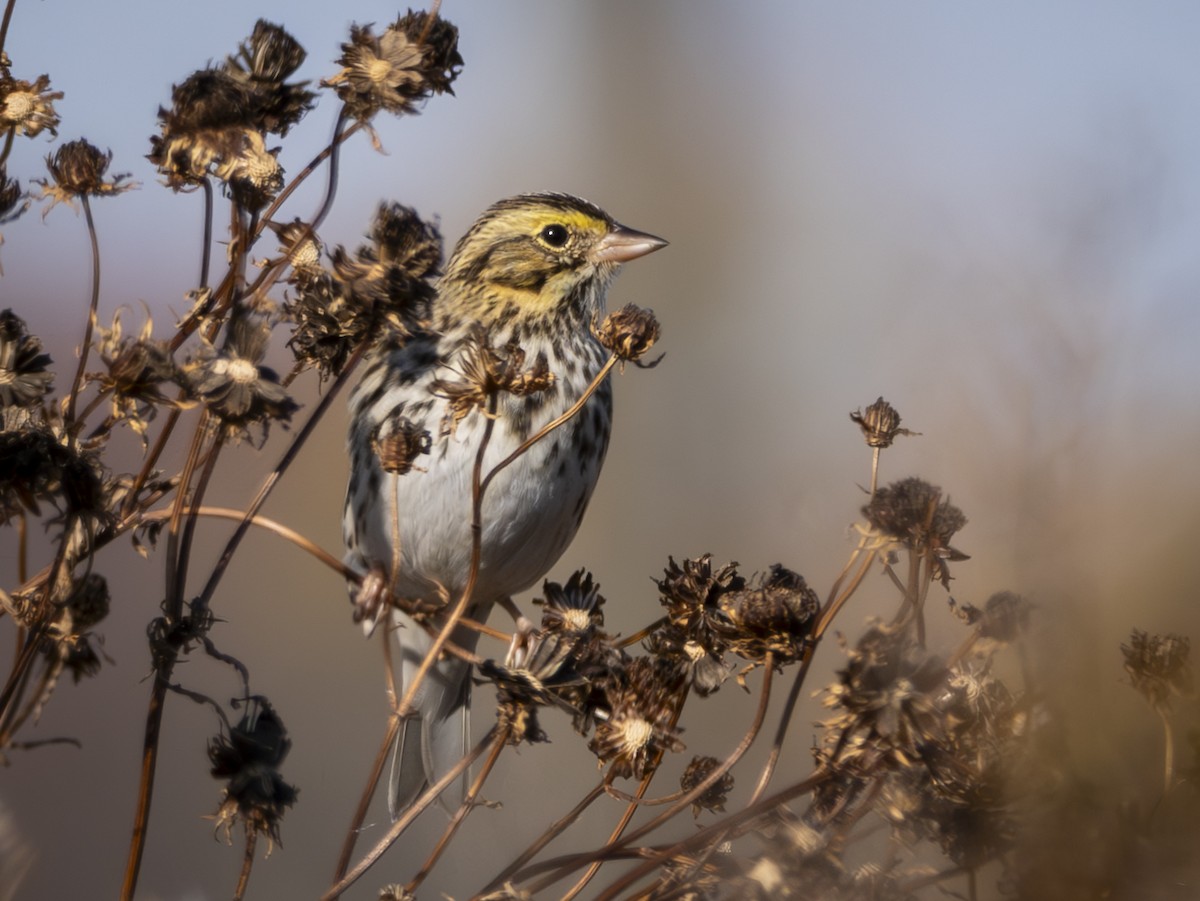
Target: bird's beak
point(623, 244)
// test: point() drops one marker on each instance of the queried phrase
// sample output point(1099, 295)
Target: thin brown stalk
point(247, 863)
point(364, 801)
point(406, 819)
point(464, 809)
point(93, 304)
point(555, 829)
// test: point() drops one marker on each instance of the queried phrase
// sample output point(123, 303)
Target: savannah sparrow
point(533, 270)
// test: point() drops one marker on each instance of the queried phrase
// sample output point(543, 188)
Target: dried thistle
point(397, 443)
point(27, 107)
point(1158, 666)
point(574, 607)
point(233, 384)
point(487, 372)
point(78, 169)
point(1004, 617)
point(137, 369)
point(636, 728)
point(412, 60)
point(712, 798)
point(24, 378)
point(880, 424)
point(629, 333)
point(913, 512)
point(249, 758)
point(262, 64)
point(775, 616)
point(535, 672)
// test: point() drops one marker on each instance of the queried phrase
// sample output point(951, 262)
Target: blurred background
point(988, 214)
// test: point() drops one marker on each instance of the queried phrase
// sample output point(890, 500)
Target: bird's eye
point(555, 235)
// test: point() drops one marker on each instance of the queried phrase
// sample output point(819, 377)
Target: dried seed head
point(1004, 618)
point(249, 759)
point(27, 107)
point(880, 424)
point(1158, 666)
point(24, 378)
point(641, 703)
point(400, 445)
point(77, 169)
point(629, 333)
point(775, 616)
point(574, 607)
point(413, 59)
point(487, 372)
point(914, 512)
point(712, 798)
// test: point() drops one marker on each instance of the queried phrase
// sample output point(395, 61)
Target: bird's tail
point(436, 735)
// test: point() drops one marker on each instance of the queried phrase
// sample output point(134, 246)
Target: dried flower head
point(233, 384)
point(38, 463)
point(914, 512)
point(137, 368)
point(1004, 617)
point(487, 372)
point(573, 607)
point(775, 616)
point(880, 424)
point(77, 169)
point(381, 293)
point(13, 201)
point(86, 606)
point(712, 798)
point(629, 333)
point(27, 107)
point(398, 442)
point(641, 700)
point(1158, 666)
point(249, 759)
point(886, 700)
point(251, 172)
point(262, 64)
point(413, 59)
point(535, 672)
point(24, 378)
point(697, 632)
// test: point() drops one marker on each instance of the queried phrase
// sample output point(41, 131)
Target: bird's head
point(535, 256)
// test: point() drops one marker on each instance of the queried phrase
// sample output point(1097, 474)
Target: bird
point(532, 272)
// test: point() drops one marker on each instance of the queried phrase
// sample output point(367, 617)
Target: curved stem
point(460, 815)
point(406, 819)
point(86, 345)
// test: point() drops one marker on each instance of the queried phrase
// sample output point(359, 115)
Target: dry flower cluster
point(934, 754)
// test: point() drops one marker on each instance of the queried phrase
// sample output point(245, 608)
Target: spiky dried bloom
point(78, 169)
point(629, 333)
point(487, 372)
point(535, 672)
point(137, 369)
point(302, 248)
point(775, 617)
point(248, 758)
point(412, 60)
point(24, 378)
point(913, 512)
point(38, 464)
point(712, 798)
point(1158, 666)
point(250, 171)
point(880, 424)
point(13, 201)
point(396, 892)
point(398, 442)
point(697, 632)
point(382, 292)
point(1004, 617)
point(885, 700)
point(262, 64)
point(232, 382)
point(27, 107)
point(574, 607)
point(87, 604)
point(636, 728)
